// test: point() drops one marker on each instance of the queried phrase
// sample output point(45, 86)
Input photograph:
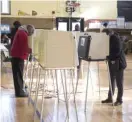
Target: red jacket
point(20, 47)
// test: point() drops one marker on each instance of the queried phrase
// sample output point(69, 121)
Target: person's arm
point(29, 50)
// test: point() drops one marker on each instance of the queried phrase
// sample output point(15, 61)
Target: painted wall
point(90, 9)
point(105, 9)
point(43, 8)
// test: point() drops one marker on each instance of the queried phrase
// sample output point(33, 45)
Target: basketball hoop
point(71, 6)
point(74, 5)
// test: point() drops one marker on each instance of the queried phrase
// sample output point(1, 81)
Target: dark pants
point(116, 75)
point(17, 69)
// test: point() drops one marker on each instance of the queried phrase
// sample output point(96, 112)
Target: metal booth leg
point(98, 78)
point(31, 84)
point(37, 90)
point(90, 74)
point(77, 79)
point(72, 80)
point(64, 85)
point(62, 81)
point(43, 93)
point(57, 84)
point(52, 77)
point(87, 87)
point(26, 72)
point(30, 70)
point(66, 100)
point(110, 82)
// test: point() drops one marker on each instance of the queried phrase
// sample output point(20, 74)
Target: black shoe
point(26, 86)
point(22, 95)
point(107, 101)
point(117, 103)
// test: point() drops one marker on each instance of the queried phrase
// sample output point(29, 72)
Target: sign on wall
point(5, 28)
point(5, 6)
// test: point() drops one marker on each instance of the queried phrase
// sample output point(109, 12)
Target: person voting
point(19, 52)
point(117, 64)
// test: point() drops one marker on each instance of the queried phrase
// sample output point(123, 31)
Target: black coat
point(13, 32)
point(116, 50)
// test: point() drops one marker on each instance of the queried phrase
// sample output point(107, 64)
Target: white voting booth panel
point(42, 37)
point(34, 42)
point(76, 35)
point(99, 47)
point(57, 49)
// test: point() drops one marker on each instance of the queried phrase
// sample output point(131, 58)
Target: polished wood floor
point(17, 110)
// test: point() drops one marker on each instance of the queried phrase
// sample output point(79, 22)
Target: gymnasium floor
point(17, 110)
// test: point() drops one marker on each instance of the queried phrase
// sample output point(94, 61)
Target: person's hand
point(30, 50)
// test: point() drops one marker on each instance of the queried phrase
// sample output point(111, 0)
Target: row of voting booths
point(56, 54)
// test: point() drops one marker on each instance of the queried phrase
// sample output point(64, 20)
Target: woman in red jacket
point(19, 53)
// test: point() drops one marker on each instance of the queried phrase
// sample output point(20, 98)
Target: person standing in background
point(117, 64)
point(16, 24)
point(5, 39)
point(77, 28)
point(19, 53)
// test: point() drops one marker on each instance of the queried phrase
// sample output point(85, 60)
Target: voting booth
point(34, 42)
point(99, 47)
point(93, 46)
point(59, 51)
point(49, 46)
point(55, 51)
